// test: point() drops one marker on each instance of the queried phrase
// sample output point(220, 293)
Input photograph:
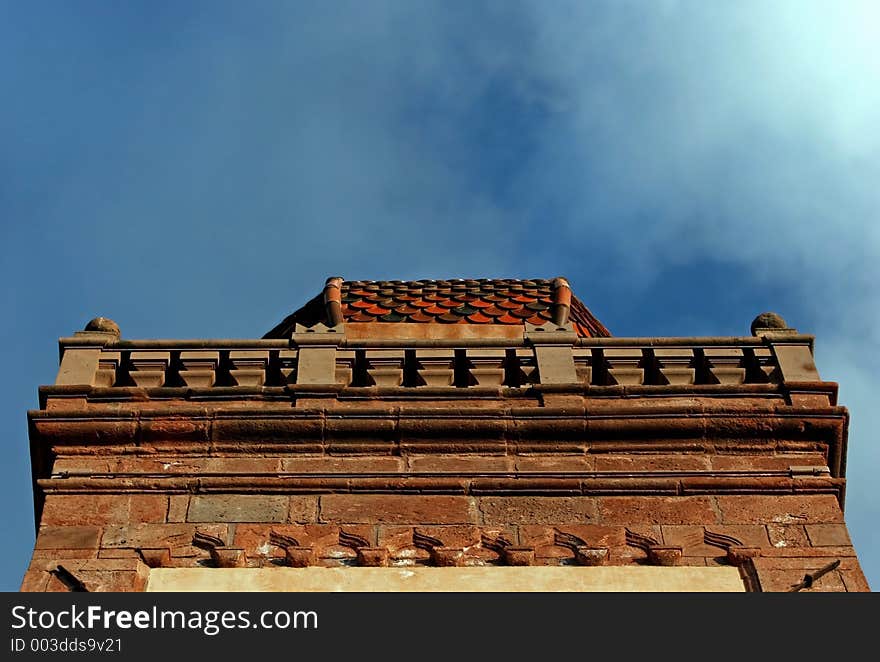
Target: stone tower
point(441, 435)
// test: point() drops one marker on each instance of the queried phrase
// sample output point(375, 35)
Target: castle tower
point(441, 435)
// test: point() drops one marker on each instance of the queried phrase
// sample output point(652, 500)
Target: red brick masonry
point(321, 449)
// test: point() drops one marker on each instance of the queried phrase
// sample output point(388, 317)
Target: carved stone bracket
point(155, 557)
point(295, 555)
point(662, 555)
point(737, 553)
point(222, 556)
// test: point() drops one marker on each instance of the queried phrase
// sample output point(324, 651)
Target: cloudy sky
point(197, 169)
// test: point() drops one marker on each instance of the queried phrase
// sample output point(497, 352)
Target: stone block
point(397, 509)
point(349, 464)
point(657, 510)
point(822, 535)
point(796, 363)
point(303, 509)
point(650, 462)
point(555, 365)
point(459, 463)
point(238, 508)
point(79, 366)
point(787, 535)
point(178, 504)
point(780, 509)
point(554, 463)
point(68, 537)
point(501, 511)
point(316, 365)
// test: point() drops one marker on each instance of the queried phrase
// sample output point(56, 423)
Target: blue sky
point(196, 169)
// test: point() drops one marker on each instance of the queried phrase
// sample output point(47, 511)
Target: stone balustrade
point(326, 359)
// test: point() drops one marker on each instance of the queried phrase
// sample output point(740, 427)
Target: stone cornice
point(556, 484)
point(621, 426)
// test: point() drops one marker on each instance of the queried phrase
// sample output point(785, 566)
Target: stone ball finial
point(104, 325)
point(768, 321)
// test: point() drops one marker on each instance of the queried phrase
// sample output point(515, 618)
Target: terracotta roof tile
point(421, 317)
point(480, 303)
point(471, 301)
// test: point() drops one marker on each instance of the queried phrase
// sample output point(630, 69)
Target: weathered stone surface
point(397, 509)
point(178, 504)
point(782, 509)
point(657, 510)
point(238, 508)
point(157, 535)
point(538, 510)
point(68, 537)
point(536, 535)
point(854, 581)
point(551, 463)
point(461, 579)
point(303, 509)
point(460, 463)
point(690, 537)
point(787, 535)
point(34, 581)
point(645, 462)
point(780, 462)
point(822, 535)
point(776, 580)
point(349, 464)
point(217, 459)
point(750, 535)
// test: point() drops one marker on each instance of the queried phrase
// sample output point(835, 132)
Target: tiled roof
point(456, 301)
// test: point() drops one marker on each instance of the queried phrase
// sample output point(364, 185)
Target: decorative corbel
point(584, 554)
point(440, 554)
point(222, 556)
point(663, 555)
point(367, 555)
point(155, 557)
point(737, 554)
point(295, 555)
